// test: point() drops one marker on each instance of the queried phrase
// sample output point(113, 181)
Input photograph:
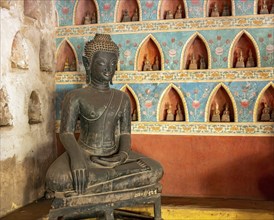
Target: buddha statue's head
point(100, 59)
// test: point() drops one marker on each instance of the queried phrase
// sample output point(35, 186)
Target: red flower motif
point(173, 40)
point(65, 10)
point(219, 37)
point(148, 103)
point(261, 39)
point(149, 4)
point(269, 35)
point(195, 2)
point(244, 103)
point(106, 6)
point(196, 104)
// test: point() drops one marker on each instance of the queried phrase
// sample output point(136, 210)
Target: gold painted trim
point(255, 7)
point(188, 44)
point(212, 94)
point(73, 49)
point(76, 6)
point(256, 105)
point(126, 86)
point(150, 36)
point(235, 41)
point(117, 7)
point(206, 8)
point(181, 95)
point(56, 18)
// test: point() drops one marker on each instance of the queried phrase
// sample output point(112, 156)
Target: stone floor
point(176, 208)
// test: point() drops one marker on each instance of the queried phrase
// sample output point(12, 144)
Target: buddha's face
point(103, 66)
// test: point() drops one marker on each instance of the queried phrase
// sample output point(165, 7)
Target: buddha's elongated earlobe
point(87, 67)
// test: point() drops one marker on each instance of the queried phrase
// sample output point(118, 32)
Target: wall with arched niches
point(196, 145)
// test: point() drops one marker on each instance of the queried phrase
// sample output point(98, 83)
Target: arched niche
point(134, 104)
point(244, 46)
point(85, 9)
point(34, 110)
point(19, 52)
point(166, 6)
point(220, 99)
point(196, 51)
point(149, 51)
point(66, 57)
point(266, 96)
point(5, 117)
point(133, 10)
point(224, 8)
point(263, 7)
point(172, 105)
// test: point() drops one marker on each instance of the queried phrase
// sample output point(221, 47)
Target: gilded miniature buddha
point(147, 65)
point(179, 12)
point(169, 14)
point(193, 63)
point(156, 65)
point(215, 11)
point(264, 9)
point(226, 114)
point(250, 60)
point(67, 66)
point(265, 113)
point(135, 16)
point(101, 160)
point(216, 114)
point(170, 115)
point(240, 60)
point(126, 17)
point(87, 19)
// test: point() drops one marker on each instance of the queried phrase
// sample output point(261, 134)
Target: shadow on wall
point(22, 182)
point(246, 177)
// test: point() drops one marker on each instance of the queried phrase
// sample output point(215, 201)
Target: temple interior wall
point(200, 158)
point(27, 140)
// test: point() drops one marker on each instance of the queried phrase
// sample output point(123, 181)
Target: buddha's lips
point(107, 74)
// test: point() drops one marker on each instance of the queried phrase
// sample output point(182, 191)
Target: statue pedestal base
point(104, 204)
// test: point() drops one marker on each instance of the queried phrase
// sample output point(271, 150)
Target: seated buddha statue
point(101, 160)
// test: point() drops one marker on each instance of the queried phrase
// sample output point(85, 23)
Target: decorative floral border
point(266, 73)
point(186, 128)
point(239, 22)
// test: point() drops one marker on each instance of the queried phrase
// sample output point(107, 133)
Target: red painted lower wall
point(211, 166)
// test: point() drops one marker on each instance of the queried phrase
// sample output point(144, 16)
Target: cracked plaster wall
point(26, 150)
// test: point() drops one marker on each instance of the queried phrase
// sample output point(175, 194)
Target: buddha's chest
point(95, 105)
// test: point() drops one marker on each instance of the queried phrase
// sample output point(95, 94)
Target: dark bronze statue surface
point(101, 160)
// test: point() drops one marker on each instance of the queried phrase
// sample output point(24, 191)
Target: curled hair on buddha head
point(100, 42)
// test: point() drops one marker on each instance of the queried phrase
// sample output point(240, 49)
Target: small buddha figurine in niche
point(156, 65)
point(169, 14)
point(147, 65)
point(264, 9)
point(250, 60)
point(215, 11)
point(87, 19)
point(272, 9)
point(202, 63)
point(226, 10)
point(134, 115)
point(240, 60)
point(179, 12)
point(265, 113)
point(226, 114)
point(73, 66)
point(193, 63)
point(170, 115)
point(216, 114)
point(67, 66)
point(101, 159)
point(93, 18)
point(179, 114)
point(126, 17)
point(135, 16)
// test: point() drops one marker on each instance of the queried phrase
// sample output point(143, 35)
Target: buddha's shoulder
point(75, 94)
point(124, 95)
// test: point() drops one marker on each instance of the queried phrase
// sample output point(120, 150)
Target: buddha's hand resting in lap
point(110, 161)
point(79, 174)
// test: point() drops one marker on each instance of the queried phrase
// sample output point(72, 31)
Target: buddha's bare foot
point(49, 194)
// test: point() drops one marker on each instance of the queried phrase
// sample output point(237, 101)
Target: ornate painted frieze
point(215, 129)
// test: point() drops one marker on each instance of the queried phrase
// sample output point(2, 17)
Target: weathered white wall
point(26, 151)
